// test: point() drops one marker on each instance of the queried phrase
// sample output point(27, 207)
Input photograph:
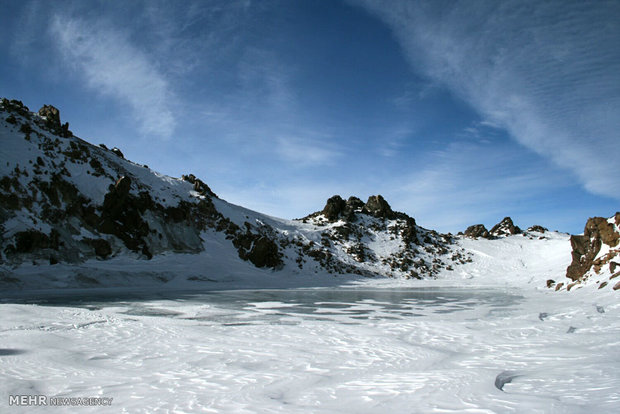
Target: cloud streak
point(305, 152)
point(112, 66)
point(469, 182)
point(547, 72)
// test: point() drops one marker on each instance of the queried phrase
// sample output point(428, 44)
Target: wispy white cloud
point(105, 57)
point(265, 83)
point(306, 152)
point(393, 140)
point(547, 72)
point(468, 183)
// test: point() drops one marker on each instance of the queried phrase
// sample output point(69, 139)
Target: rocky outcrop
point(51, 115)
point(337, 208)
point(538, 229)
point(353, 229)
point(118, 152)
point(505, 228)
point(14, 106)
point(334, 208)
point(259, 249)
point(586, 247)
point(199, 186)
point(376, 206)
point(476, 231)
point(122, 216)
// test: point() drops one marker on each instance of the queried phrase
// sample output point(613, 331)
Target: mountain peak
point(337, 208)
point(505, 228)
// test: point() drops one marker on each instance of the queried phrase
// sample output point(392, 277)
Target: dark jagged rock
point(587, 246)
point(52, 121)
point(118, 152)
point(123, 185)
point(199, 186)
point(16, 106)
point(121, 215)
point(505, 228)
point(354, 204)
point(477, 230)
point(537, 228)
point(258, 249)
point(377, 206)
point(28, 241)
point(101, 246)
point(51, 114)
point(334, 208)
point(265, 253)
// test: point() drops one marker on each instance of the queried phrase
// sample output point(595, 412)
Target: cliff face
point(596, 253)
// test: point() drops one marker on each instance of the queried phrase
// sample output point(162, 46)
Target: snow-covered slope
point(77, 215)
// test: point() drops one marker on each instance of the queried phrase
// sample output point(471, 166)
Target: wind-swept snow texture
point(326, 350)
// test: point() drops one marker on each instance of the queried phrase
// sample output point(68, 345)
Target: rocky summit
point(504, 228)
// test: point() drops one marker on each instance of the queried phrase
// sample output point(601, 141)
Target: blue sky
point(456, 112)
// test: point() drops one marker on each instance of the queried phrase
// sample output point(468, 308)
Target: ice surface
point(325, 350)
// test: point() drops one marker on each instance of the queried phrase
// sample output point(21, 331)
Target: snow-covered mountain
point(73, 214)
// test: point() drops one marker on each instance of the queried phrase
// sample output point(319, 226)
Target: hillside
point(67, 204)
point(73, 214)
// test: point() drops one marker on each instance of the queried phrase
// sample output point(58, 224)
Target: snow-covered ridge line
point(77, 215)
point(68, 203)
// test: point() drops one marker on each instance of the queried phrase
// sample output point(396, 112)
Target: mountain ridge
point(66, 202)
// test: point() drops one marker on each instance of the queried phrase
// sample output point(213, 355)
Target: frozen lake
point(329, 350)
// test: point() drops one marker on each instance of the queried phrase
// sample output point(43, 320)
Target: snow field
point(321, 350)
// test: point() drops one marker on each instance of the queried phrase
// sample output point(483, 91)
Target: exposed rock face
point(598, 230)
point(334, 208)
point(52, 121)
point(537, 228)
point(376, 206)
point(505, 228)
point(258, 249)
point(118, 152)
point(199, 186)
point(52, 114)
point(354, 205)
point(477, 230)
point(102, 247)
